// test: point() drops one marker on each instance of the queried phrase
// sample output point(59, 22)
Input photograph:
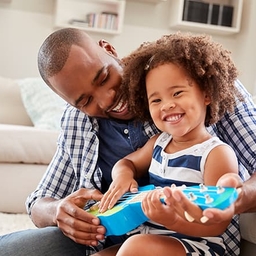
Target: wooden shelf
point(100, 16)
point(148, 1)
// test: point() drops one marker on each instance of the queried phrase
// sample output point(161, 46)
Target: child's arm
point(125, 172)
point(220, 160)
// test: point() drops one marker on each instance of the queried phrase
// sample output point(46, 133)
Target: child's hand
point(174, 197)
point(116, 189)
point(158, 211)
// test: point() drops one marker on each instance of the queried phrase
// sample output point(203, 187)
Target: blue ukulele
point(127, 214)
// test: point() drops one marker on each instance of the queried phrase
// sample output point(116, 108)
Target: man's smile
point(120, 107)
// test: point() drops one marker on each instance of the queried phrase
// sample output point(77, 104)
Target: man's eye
point(87, 102)
point(105, 79)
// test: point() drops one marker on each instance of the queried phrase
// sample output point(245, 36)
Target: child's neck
point(180, 143)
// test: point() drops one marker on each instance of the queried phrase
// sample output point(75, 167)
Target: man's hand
point(68, 214)
point(75, 222)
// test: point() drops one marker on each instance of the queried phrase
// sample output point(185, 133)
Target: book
point(79, 23)
point(104, 20)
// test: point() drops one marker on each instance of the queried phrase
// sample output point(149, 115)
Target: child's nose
point(168, 105)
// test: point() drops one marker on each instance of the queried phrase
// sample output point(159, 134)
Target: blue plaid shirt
point(74, 164)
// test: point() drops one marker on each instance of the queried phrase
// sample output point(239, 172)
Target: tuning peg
point(220, 189)
point(192, 196)
point(203, 188)
point(182, 187)
point(208, 199)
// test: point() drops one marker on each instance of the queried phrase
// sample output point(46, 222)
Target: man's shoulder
point(150, 129)
point(72, 113)
point(74, 118)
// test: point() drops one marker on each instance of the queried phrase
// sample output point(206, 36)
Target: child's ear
point(207, 100)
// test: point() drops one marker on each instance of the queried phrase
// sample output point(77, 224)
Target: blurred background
point(24, 24)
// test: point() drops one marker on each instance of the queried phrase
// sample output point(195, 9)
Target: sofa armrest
point(12, 110)
point(248, 226)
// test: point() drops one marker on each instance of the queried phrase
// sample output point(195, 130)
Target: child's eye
point(177, 93)
point(155, 100)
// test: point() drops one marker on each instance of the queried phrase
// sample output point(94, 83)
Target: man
point(97, 130)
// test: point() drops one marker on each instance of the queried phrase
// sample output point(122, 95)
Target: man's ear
point(207, 100)
point(108, 47)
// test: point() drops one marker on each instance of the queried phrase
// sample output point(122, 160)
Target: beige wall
point(24, 24)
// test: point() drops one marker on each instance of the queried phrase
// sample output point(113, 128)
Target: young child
point(184, 83)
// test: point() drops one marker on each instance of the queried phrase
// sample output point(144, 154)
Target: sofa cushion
point(12, 110)
point(24, 144)
point(44, 107)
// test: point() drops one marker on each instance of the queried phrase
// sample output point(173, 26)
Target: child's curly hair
point(206, 62)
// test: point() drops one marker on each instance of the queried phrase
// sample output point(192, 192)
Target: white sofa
point(28, 142)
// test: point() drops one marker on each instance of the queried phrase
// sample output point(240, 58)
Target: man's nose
point(106, 98)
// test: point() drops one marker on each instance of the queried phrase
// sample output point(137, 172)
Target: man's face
point(90, 81)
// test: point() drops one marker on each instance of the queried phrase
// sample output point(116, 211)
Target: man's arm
point(53, 202)
point(238, 129)
point(247, 202)
point(72, 166)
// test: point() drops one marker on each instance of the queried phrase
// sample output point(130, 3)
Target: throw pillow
point(43, 106)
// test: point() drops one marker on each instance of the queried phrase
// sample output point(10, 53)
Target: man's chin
point(121, 116)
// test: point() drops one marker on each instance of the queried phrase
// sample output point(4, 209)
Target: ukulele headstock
point(210, 196)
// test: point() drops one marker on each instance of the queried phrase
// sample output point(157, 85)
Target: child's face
point(176, 104)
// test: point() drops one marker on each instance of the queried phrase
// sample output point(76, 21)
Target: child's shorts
point(194, 246)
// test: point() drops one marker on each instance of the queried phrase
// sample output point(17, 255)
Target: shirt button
point(126, 131)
